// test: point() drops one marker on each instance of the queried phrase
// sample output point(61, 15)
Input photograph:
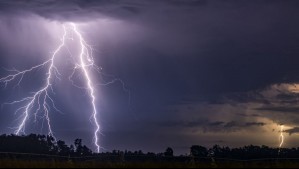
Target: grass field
point(9, 163)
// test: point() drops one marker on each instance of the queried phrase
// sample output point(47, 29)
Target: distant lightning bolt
point(281, 137)
point(41, 101)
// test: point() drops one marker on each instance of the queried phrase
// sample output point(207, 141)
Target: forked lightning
point(41, 100)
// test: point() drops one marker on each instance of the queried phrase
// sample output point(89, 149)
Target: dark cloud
point(233, 56)
point(206, 59)
point(246, 97)
point(254, 124)
point(90, 9)
point(217, 123)
point(248, 115)
point(288, 98)
point(291, 131)
point(234, 124)
point(282, 109)
point(213, 126)
point(230, 124)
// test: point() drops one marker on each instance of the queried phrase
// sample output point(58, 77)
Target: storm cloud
point(90, 9)
point(231, 65)
point(217, 126)
point(291, 131)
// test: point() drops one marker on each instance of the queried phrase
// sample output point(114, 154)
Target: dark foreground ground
point(15, 163)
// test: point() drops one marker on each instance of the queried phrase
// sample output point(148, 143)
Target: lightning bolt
point(40, 97)
point(41, 100)
point(86, 61)
point(281, 137)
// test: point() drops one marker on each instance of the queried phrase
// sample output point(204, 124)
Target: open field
point(18, 163)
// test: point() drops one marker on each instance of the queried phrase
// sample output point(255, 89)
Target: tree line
point(41, 144)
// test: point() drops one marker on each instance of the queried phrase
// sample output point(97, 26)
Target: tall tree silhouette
point(80, 149)
point(63, 149)
point(169, 152)
point(198, 151)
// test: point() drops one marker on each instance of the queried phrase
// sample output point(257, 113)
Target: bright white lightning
point(41, 100)
point(40, 97)
point(281, 137)
point(86, 61)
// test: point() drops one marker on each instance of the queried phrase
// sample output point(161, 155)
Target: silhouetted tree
point(63, 149)
point(40, 144)
point(72, 150)
point(168, 152)
point(52, 148)
point(86, 151)
point(198, 151)
point(79, 147)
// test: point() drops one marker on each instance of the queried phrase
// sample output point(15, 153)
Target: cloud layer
point(194, 67)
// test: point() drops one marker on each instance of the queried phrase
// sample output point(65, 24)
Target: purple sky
point(199, 72)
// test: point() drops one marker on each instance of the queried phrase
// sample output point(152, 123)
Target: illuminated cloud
point(195, 66)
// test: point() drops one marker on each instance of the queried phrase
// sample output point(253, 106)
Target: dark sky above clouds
point(199, 72)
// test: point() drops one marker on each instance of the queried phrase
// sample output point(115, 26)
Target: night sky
point(194, 71)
